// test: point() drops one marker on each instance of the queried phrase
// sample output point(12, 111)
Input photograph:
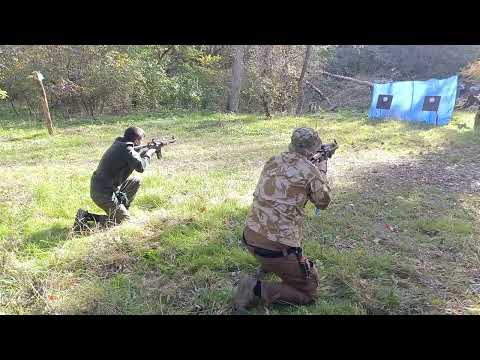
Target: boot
point(80, 225)
point(245, 297)
point(101, 221)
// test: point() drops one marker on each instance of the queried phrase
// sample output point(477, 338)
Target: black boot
point(99, 220)
point(80, 225)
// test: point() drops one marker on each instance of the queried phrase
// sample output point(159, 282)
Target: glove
point(322, 166)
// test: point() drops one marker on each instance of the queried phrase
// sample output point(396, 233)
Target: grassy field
point(402, 235)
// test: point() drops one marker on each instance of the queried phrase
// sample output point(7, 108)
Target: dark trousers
point(294, 288)
point(116, 212)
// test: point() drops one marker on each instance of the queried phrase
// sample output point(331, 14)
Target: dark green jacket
point(115, 167)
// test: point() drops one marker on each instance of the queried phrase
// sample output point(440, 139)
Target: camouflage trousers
point(117, 212)
point(295, 288)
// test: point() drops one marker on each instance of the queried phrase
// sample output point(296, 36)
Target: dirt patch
point(442, 170)
point(211, 124)
point(442, 273)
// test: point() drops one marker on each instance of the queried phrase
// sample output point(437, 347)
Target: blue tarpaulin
point(430, 101)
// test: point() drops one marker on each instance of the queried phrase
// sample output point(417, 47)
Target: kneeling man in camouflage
point(274, 228)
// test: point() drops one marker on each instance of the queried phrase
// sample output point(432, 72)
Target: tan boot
point(245, 298)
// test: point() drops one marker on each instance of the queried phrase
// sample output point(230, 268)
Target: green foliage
point(472, 71)
point(119, 79)
point(92, 80)
point(272, 78)
point(402, 61)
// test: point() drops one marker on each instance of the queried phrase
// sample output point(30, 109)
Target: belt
point(271, 253)
point(305, 264)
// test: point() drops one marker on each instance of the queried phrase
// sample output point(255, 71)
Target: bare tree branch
point(362, 82)
point(318, 91)
point(160, 58)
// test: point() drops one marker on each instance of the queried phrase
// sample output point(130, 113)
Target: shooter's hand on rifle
point(326, 152)
point(148, 153)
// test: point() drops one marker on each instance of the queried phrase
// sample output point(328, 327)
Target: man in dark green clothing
point(110, 187)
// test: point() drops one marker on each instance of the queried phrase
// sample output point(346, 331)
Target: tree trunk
point(13, 107)
point(85, 106)
point(266, 106)
point(301, 81)
point(91, 109)
point(266, 74)
point(476, 125)
point(284, 95)
point(236, 80)
point(29, 109)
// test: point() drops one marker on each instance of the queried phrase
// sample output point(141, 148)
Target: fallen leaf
point(389, 227)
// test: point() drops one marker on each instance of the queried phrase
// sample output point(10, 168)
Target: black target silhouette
point(431, 103)
point(384, 102)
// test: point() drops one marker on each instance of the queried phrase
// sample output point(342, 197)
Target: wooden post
point(36, 75)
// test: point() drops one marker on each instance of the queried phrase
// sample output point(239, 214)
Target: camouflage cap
point(305, 139)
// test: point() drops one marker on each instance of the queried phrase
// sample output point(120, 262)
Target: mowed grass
point(381, 248)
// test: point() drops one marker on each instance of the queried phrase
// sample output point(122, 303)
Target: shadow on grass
point(31, 137)
point(409, 125)
point(190, 267)
point(184, 120)
point(49, 238)
point(134, 117)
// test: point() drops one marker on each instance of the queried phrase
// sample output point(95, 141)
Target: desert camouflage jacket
point(288, 181)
